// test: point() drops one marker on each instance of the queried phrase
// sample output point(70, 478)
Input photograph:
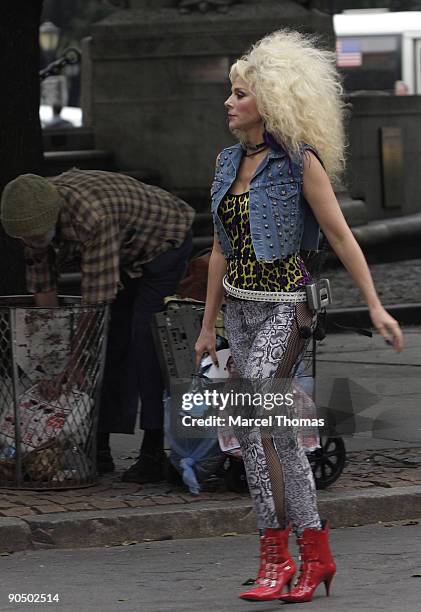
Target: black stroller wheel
point(328, 461)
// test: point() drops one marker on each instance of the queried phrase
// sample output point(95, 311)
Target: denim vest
point(281, 221)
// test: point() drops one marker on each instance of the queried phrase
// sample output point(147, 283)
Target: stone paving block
point(25, 501)
point(17, 511)
point(402, 483)
point(5, 504)
point(140, 495)
point(13, 499)
point(157, 489)
point(167, 499)
point(80, 500)
point(352, 483)
point(78, 507)
point(56, 497)
point(189, 498)
point(381, 483)
point(416, 478)
point(105, 504)
point(109, 494)
point(47, 508)
point(406, 481)
point(61, 499)
point(86, 491)
point(205, 496)
point(228, 496)
point(363, 485)
point(127, 486)
point(140, 503)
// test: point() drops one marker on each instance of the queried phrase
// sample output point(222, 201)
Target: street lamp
point(53, 88)
point(49, 35)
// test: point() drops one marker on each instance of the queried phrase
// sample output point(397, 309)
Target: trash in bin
point(47, 440)
point(42, 342)
point(42, 420)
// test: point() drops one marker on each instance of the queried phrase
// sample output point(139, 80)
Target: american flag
point(348, 53)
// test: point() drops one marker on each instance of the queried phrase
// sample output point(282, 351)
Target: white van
point(374, 50)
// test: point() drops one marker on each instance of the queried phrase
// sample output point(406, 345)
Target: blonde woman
point(270, 196)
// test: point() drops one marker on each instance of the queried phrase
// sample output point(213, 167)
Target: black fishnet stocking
point(286, 370)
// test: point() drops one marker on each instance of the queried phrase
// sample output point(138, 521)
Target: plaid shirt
point(109, 222)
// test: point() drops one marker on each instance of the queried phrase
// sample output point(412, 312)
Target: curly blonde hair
point(298, 94)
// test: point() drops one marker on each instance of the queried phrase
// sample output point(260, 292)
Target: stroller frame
point(176, 330)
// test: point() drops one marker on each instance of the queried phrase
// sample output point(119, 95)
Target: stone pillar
point(159, 80)
point(86, 82)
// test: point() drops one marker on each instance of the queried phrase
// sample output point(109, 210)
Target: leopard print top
point(243, 269)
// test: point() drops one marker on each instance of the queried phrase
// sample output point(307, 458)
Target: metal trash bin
point(48, 440)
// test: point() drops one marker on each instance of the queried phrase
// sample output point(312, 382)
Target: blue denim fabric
point(281, 221)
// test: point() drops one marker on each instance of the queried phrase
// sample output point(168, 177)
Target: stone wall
point(366, 178)
point(159, 80)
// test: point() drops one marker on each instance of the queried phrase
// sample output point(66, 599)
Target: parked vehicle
point(375, 50)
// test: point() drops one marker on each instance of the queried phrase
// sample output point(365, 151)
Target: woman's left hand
point(387, 327)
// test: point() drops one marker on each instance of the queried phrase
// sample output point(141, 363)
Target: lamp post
point(54, 89)
point(49, 35)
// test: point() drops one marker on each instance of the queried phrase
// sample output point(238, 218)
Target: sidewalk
point(399, 467)
point(381, 481)
point(396, 282)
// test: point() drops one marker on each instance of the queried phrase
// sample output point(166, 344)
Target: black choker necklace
point(250, 150)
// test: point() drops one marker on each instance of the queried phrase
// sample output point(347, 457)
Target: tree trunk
point(20, 130)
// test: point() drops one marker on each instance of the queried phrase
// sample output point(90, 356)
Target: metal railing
point(70, 56)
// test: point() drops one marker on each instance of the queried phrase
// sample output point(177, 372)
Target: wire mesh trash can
point(51, 367)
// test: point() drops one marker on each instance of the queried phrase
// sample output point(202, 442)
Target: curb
point(15, 535)
point(204, 519)
point(358, 316)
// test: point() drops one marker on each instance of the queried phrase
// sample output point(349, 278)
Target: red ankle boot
point(317, 565)
point(263, 558)
point(277, 567)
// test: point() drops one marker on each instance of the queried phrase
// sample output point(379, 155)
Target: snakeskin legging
point(265, 343)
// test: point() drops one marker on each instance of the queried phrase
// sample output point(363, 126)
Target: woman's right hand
point(387, 327)
point(206, 343)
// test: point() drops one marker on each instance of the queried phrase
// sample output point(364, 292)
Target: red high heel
point(277, 567)
point(317, 565)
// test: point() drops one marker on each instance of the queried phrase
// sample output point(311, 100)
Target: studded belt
point(292, 297)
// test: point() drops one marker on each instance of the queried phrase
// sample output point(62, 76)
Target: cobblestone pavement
point(396, 283)
point(364, 469)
